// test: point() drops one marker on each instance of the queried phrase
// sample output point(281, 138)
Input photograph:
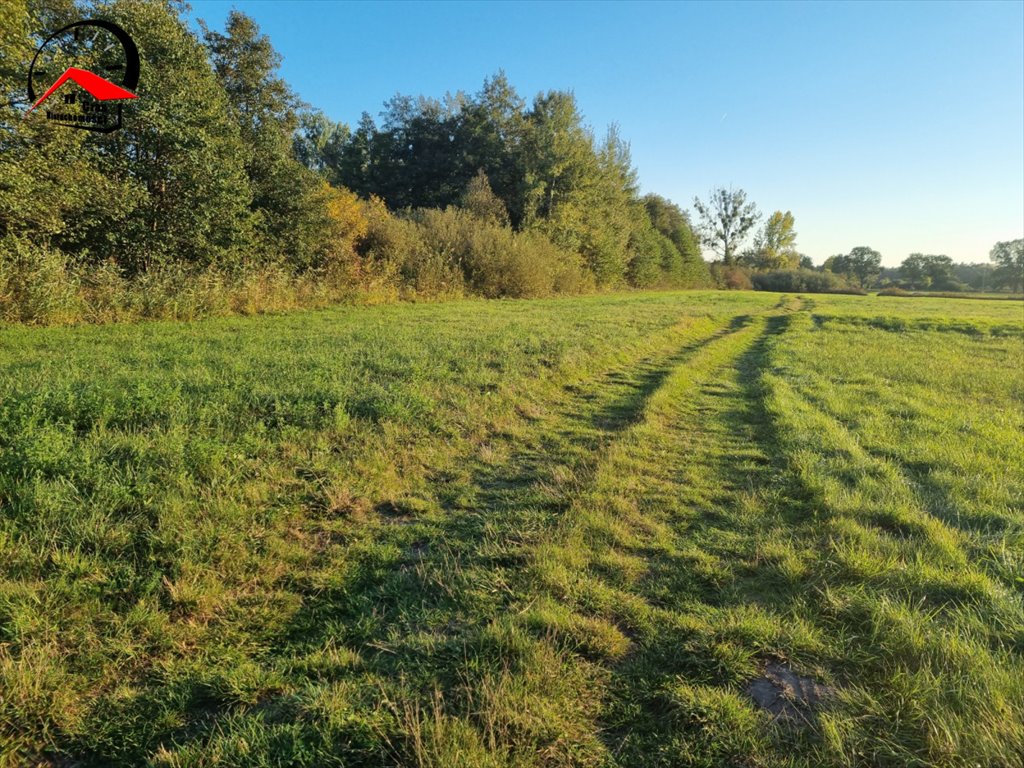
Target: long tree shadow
point(407, 602)
point(489, 519)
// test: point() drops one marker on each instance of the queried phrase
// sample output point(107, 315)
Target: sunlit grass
point(561, 532)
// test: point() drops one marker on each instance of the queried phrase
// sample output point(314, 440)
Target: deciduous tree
point(774, 247)
point(1009, 255)
point(286, 195)
point(726, 218)
point(862, 264)
point(923, 271)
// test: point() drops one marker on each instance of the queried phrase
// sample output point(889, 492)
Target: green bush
point(802, 281)
point(434, 252)
point(396, 252)
point(647, 249)
point(568, 272)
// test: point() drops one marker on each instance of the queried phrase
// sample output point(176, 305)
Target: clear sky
point(894, 125)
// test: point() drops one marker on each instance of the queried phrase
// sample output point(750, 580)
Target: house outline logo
point(99, 106)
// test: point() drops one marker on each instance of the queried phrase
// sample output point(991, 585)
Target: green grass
point(532, 533)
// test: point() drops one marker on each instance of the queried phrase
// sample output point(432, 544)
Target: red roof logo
point(96, 86)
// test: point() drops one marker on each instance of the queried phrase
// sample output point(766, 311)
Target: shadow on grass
point(402, 608)
point(735, 445)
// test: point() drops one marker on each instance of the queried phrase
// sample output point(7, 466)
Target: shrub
point(434, 268)
point(444, 253)
point(481, 202)
point(396, 251)
point(732, 278)
point(346, 224)
point(568, 272)
point(104, 293)
point(493, 260)
point(496, 263)
point(802, 281)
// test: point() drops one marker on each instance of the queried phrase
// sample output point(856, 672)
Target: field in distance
point(701, 528)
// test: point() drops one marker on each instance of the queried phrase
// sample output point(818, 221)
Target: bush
point(396, 253)
point(493, 260)
point(496, 263)
point(481, 202)
point(731, 278)
point(445, 253)
point(802, 281)
point(38, 286)
point(568, 272)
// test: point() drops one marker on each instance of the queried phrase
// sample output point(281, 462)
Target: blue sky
point(894, 125)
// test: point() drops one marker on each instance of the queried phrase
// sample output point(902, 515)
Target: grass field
point(587, 532)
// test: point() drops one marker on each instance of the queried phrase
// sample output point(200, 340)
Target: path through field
point(666, 529)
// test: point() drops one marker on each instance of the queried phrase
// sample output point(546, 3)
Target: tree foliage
point(924, 271)
point(541, 162)
point(221, 173)
point(775, 245)
point(861, 264)
point(726, 218)
point(1009, 256)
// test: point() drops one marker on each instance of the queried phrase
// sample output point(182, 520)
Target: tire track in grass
point(521, 699)
point(635, 588)
point(929, 643)
point(395, 605)
point(985, 533)
point(874, 489)
point(748, 554)
point(530, 475)
point(421, 627)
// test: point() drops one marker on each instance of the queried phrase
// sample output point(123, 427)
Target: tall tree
point(319, 144)
point(726, 218)
point(178, 149)
point(493, 134)
point(913, 271)
point(1009, 255)
point(682, 263)
point(862, 264)
point(569, 186)
point(357, 167)
point(924, 271)
point(417, 159)
point(977, 276)
point(616, 212)
point(671, 220)
point(57, 186)
point(561, 156)
point(775, 245)
point(285, 193)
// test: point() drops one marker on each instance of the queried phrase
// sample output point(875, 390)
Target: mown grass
point(560, 532)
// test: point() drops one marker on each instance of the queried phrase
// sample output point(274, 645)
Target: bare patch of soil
point(787, 695)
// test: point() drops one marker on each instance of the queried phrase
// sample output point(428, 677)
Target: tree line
point(224, 192)
point(771, 261)
point(220, 177)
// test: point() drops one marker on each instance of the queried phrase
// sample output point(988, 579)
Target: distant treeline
point(859, 272)
point(222, 192)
